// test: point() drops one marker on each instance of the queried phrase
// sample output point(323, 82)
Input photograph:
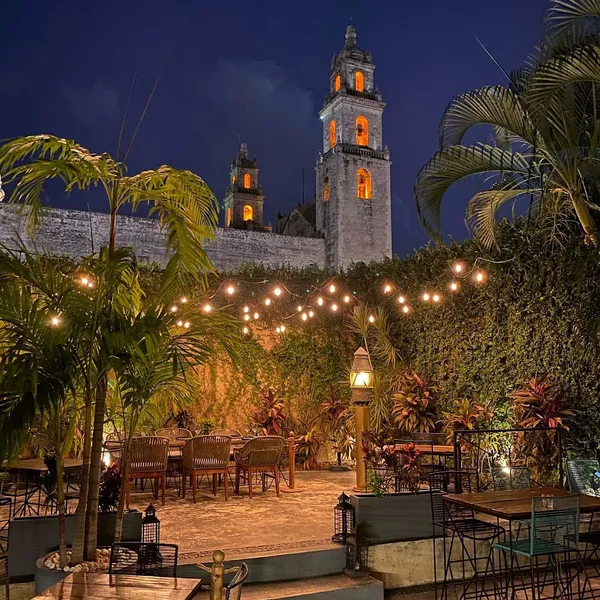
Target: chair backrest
point(234, 589)
point(582, 476)
point(511, 478)
point(207, 452)
point(142, 558)
point(234, 433)
point(263, 451)
point(173, 433)
point(148, 454)
point(449, 482)
point(554, 524)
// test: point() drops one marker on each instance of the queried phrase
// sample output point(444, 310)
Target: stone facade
point(353, 171)
point(70, 233)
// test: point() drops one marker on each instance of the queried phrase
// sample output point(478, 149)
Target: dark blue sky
point(255, 69)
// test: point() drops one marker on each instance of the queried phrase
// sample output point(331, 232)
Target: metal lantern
point(343, 519)
point(361, 373)
point(150, 526)
point(357, 556)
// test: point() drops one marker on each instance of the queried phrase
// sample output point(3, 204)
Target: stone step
point(332, 587)
point(277, 566)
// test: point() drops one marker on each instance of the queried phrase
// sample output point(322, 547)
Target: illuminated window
point(247, 181)
point(359, 81)
point(232, 179)
point(362, 131)
point(332, 133)
point(326, 189)
point(229, 217)
point(248, 212)
point(338, 83)
point(363, 184)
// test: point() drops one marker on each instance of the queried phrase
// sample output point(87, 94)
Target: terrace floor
point(298, 519)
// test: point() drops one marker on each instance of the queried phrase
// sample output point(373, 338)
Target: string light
point(405, 309)
point(311, 314)
point(183, 300)
point(436, 298)
point(401, 299)
point(277, 291)
point(245, 330)
point(387, 288)
point(304, 316)
point(299, 308)
point(425, 297)
point(454, 286)
point(458, 267)
point(346, 298)
point(371, 319)
point(55, 321)
point(480, 276)
point(332, 289)
point(246, 317)
point(207, 308)
point(91, 284)
point(268, 301)
point(187, 324)
point(230, 290)
point(173, 309)
point(246, 309)
point(84, 280)
point(282, 328)
point(179, 323)
point(256, 315)
point(278, 330)
point(320, 301)
point(334, 307)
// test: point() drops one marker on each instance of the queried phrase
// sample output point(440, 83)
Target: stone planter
point(32, 537)
point(394, 518)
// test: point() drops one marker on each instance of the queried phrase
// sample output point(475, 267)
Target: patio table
point(92, 586)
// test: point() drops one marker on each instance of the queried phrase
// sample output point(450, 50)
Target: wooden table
point(37, 465)
point(515, 504)
point(94, 586)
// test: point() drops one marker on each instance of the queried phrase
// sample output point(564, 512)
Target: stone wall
point(70, 233)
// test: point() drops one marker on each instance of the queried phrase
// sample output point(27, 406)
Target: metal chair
point(511, 478)
point(259, 455)
point(207, 455)
point(582, 476)
point(174, 433)
point(148, 459)
point(553, 531)
point(233, 591)
point(143, 558)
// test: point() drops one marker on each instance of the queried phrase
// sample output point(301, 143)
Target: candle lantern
point(343, 519)
point(150, 526)
point(357, 557)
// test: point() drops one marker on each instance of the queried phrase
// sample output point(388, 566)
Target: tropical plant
point(465, 415)
point(414, 403)
point(338, 423)
point(310, 444)
point(410, 472)
point(269, 418)
point(110, 488)
point(546, 129)
point(382, 461)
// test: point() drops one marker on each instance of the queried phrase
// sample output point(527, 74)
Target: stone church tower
point(244, 197)
point(353, 209)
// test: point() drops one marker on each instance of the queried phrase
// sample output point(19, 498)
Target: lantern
point(150, 526)
point(361, 374)
point(343, 519)
point(357, 557)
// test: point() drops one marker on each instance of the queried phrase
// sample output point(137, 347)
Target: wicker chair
point(173, 433)
point(148, 459)
point(207, 455)
point(258, 455)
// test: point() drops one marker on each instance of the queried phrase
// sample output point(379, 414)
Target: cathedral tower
point(353, 171)
point(244, 197)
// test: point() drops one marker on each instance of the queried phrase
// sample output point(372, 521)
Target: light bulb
point(426, 297)
point(311, 314)
point(304, 316)
point(458, 267)
point(246, 309)
point(207, 308)
point(187, 324)
point(334, 307)
point(277, 291)
point(282, 328)
point(246, 317)
point(371, 319)
point(55, 321)
point(405, 309)
point(480, 277)
point(278, 330)
point(299, 308)
point(454, 286)
point(346, 298)
point(267, 301)
point(179, 323)
point(320, 301)
point(230, 290)
point(387, 289)
point(183, 300)
point(91, 284)
point(173, 308)
point(245, 330)
point(256, 315)
point(436, 298)
point(332, 289)
point(84, 280)
point(401, 299)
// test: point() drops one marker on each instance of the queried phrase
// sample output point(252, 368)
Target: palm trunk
point(112, 239)
point(80, 515)
point(60, 493)
point(124, 474)
point(586, 219)
point(91, 537)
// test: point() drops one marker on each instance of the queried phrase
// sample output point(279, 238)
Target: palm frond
point(565, 15)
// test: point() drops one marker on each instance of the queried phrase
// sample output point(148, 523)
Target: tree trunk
point(60, 493)
point(112, 239)
point(586, 219)
point(124, 474)
point(91, 529)
point(80, 515)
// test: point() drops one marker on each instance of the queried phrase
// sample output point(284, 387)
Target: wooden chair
point(148, 459)
point(207, 455)
point(258, 455)
point(174, 433)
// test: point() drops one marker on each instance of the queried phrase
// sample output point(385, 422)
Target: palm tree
point(546, 126)
point(188, 213)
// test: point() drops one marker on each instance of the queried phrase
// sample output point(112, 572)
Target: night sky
point(255, 70)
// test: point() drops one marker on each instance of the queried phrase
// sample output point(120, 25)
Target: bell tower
point(244, 197)
point(353, 170)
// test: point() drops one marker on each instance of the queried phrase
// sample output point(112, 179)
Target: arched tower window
point(363, 184)
point(232, 179)
point(228, 217)
point(247, 182)
point(362, 131)
point(248, 212)
point(338, 83)
point(359, 81)
point(332, 138)
point(326, 189)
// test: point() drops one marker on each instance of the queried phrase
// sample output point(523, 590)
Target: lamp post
point(361, 382)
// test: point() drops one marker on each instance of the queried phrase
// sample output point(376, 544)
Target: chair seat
point(209, 464)
point(472, 528)
point(523, 547)
point(590, 537)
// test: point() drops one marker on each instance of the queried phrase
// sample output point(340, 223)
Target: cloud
point(94, 105)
